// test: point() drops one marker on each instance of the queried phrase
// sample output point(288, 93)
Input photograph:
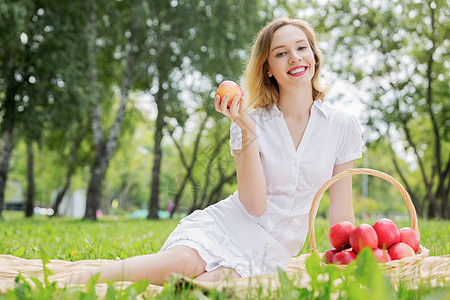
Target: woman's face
point(291, 59)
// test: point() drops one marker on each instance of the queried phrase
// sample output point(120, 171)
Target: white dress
point(224, 234)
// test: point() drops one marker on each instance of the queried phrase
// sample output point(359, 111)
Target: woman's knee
point(186, 260)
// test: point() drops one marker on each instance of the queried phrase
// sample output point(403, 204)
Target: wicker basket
point(407, 268)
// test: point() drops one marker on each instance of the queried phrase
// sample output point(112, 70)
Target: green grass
point(109, 238)
point(72, 240)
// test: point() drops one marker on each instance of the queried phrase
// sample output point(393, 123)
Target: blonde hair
point(263, 91)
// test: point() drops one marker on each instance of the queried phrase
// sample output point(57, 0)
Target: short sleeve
point(235, 137)
point(351, 141)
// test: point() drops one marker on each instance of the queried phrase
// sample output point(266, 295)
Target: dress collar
point(316, 105)
point(321, 107)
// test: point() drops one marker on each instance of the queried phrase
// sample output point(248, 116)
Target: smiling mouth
point(297, 70)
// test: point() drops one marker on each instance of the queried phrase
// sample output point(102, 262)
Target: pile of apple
point(383, 237)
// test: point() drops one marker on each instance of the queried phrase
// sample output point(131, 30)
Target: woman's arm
point(341, 207)
point(250, 176)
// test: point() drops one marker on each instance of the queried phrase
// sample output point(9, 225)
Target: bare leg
point(154, 267)
point(218, 274)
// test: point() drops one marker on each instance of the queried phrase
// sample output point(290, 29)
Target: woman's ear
point(269, 73)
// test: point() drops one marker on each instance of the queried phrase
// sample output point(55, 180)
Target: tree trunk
point(189, 167)
point(439, 194)
point(214, 196)
point(177, 198)
point(103, 155)
point(105, 205)
point(412, 194)
point(125, 188)
point(94, 193)
point(29, 204)
point(59, 198)
point(432, 208)
point(105, 151)
point(5, 155)
point(7, 144)
point(153, 205)
point(445, 208)
point(445, 186)
point(210, 192)
point(221, 140)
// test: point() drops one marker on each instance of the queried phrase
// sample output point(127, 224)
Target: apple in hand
point(329, 255)
point(339, 234)
point(410, 237)
point(400, 250)
point(387, 233)
point(344, 257)
point(229, 87)
point(381, 255)
point(363, 236)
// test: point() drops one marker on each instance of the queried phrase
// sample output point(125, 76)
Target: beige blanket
point(435, 269)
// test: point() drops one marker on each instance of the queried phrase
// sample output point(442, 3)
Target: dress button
point(266, 244)
point(256, 253)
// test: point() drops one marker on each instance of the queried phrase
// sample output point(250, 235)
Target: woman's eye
point(281, 54)
point(302, 48)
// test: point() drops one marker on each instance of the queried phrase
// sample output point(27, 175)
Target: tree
point(39, 59)
point(29, 202)
point(215, 169)
point(214, 56)
point(397, 52)
point(208, 165)
point(128, 176)
point(13, 23)
point(59, 94)
point(130, 43)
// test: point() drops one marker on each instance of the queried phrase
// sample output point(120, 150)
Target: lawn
point(110, 238)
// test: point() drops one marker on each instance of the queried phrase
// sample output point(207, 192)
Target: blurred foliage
point(384, 49)
point(397, 52)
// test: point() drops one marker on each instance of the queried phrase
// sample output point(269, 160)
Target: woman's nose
point(294, 58)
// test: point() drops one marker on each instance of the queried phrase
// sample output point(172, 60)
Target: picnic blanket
point(435, 269)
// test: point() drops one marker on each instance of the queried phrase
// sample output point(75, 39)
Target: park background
point(113, 100)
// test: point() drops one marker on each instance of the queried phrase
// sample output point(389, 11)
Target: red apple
point(363, 236)
point(400, 250)
point(344, 257)
point(387, 233)
point(339, 234)
point(329, 255)
point(410, 237)
point(381, 255)
point(229, 87)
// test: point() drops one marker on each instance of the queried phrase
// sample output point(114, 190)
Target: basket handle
point(350, 172)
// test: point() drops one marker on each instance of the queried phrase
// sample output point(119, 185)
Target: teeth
point(298, 70)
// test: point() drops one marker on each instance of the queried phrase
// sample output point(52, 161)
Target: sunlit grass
point(71, 239)
point(114, 237)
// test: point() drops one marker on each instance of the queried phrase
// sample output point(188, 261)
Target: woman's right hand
point(236, 112)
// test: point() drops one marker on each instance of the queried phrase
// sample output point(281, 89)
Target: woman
point(285, 147)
